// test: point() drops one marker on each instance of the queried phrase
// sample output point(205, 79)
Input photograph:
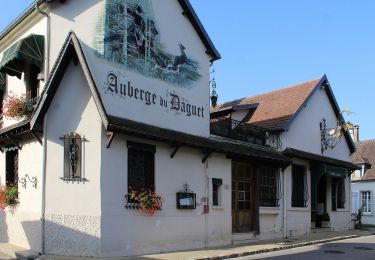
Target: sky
point(269, 44)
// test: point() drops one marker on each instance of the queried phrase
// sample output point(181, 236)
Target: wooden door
point(243, 198)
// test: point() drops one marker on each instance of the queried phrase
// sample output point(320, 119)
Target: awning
point(26, 51)
point(3, 81)
point(320, 159)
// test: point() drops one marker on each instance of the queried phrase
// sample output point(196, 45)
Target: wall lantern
point(214, 95)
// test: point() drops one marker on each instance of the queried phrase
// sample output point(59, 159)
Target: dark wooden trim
point(36, 137)
point(205, 157)
point(111, 136)
point(175, 150)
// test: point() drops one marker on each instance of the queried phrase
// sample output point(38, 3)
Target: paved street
point(362, 248)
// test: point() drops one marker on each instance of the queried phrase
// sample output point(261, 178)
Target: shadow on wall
point(3, 228)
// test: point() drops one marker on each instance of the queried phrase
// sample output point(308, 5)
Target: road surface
point(362, 248)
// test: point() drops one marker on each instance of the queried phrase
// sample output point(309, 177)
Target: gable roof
point(72, 51)
point(185, 5)
point(277, 109)
point(365, 155)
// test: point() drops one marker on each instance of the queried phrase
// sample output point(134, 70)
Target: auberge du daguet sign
point(115, 85)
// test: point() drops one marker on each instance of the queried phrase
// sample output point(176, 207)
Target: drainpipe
point(284, 204)
point(48, 41)
point(46, 72)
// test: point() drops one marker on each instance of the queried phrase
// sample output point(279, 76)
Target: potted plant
point(326, 221)
point(9, 197)
point(145, 200)
point(15, 106)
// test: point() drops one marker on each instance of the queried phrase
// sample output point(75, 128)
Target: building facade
point(116, 99)
point(363, 180)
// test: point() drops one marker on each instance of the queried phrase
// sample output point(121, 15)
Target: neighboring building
point(126, 106)
point(300, 120)
point(363, 180)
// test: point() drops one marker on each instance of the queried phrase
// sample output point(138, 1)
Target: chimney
point(354, 131)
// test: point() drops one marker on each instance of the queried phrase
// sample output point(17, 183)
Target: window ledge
point(74, 179)
point(217, 207)
point(269, 210)
point(300, 209)
point(368, 214)
point(342, 210)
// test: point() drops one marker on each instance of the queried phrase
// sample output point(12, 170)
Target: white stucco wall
point(304, 132)
point(128, 232)
point(73, 208)
point(22, 227)
point(298, 220)
point(367, 218)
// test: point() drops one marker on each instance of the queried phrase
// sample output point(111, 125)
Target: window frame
point(135, 152)
point(269, 192)
point(368, 207)
point(217, 184)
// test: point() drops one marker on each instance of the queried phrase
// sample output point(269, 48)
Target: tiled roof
point(365, 154)
point(277, 107)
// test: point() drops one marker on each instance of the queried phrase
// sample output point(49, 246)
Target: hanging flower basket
point(144, 200)
point(16, 107)
point(9, 197)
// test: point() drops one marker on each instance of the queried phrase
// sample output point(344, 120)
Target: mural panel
point(128, 34)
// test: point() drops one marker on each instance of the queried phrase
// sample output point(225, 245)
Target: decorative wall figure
point(128, 34)
point(72, 156)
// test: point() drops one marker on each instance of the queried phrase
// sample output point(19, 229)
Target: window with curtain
point(366, 201)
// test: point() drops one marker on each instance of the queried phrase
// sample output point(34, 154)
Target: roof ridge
point(366, 141)
point(285, 87)
point(271, 91)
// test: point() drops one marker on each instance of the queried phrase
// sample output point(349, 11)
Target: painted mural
point(128, 35)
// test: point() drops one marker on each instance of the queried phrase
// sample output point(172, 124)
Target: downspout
point(46, 72)
point(48, 41)
point(284, 204)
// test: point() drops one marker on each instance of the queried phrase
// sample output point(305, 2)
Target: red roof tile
point(276, 107)
point(365, 154)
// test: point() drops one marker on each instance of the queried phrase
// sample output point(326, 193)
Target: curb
point(274, 249)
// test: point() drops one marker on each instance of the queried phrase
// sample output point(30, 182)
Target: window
point(299, 186)
point(32, 82)
point(72, 156)
point(366, 202)
point(11, 165)
point(269, 187)
point(338, 193)
point(141, 166)
point(216, 191)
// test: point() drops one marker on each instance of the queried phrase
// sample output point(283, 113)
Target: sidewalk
point(225, 252)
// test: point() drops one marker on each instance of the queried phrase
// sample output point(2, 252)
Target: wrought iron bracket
point(23, 181)
point(33, 180)
point(175, 150)
point(111, 136)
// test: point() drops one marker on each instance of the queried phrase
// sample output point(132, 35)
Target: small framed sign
point(186, 200)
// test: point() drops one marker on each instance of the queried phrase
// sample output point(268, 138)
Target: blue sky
point(268, 44)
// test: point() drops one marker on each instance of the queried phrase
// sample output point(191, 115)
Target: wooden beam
point(175, 150)
point(206, 154)
point(14, 143)
point(110, 136)
point(36, 137)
